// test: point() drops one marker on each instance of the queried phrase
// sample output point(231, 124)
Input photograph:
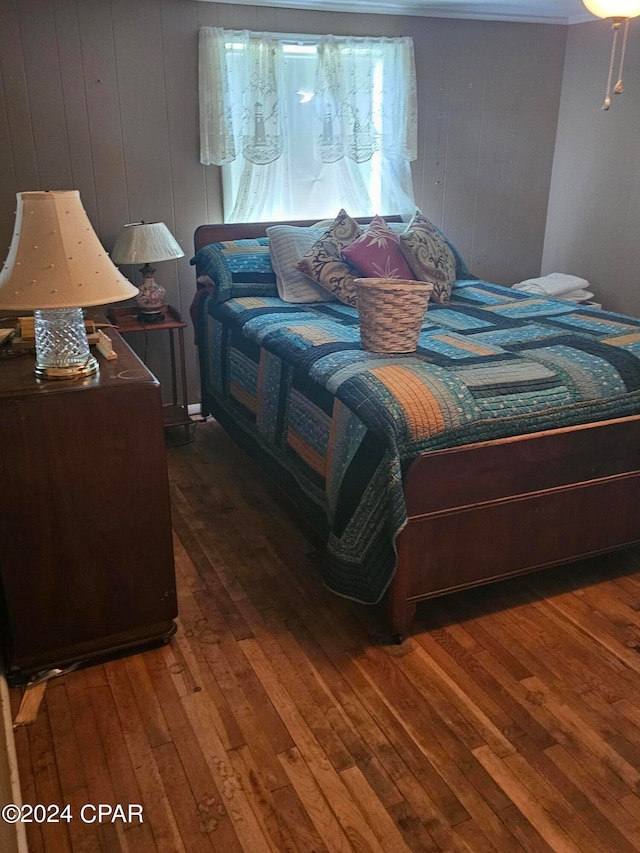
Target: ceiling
point(534, 11)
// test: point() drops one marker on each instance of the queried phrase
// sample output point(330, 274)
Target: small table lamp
point(147, 242)
point(56, 266)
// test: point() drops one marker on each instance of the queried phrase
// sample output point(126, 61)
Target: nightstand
point(126, 320)
point(86, 549)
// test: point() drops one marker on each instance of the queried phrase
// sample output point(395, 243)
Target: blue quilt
point(339, 426)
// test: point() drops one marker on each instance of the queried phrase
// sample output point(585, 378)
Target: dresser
point(86, 555)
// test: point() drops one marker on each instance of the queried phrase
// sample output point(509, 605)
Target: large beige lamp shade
point(56, 266)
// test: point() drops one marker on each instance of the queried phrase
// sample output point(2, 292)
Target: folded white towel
point(577, 296)
point(554, 284)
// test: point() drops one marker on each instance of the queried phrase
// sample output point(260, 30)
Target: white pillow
point(287, 245)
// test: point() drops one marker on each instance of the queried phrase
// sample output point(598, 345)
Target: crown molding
point(520, 11)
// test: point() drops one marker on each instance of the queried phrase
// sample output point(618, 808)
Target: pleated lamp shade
point(145, 242)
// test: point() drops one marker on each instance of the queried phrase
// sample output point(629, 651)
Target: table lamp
point(146, 243)
point(56, 266)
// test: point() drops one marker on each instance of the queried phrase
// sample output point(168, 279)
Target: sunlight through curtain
point(304, 127)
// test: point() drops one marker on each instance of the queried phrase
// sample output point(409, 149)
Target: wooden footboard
point(493, 510)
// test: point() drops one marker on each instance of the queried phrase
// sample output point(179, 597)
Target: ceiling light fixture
point(620, 11)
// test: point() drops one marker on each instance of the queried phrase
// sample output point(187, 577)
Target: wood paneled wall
point(593, 226)
point(101, 96)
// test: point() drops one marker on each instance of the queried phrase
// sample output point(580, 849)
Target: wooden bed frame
point(496, 509)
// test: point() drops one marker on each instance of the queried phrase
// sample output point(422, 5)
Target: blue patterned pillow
point(238, 268)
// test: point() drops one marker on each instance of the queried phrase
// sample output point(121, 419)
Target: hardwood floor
point(278, 720)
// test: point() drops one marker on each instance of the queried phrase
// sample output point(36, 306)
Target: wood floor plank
point(527, 835)
point(413, 774)
point(211, 813)
point(100, 785)
point(302, 830)
point(26, 771)
point(261, 800)
point(414, 710)
point(381, 823)
point(594, 742)
point(278, 718)
point(434, 680)
point(55, 836)
point(233, 798)
point(598, 792)
point(253, 720)
point(310, 794)
point(565, 812)
point(351, 818)
point(157, 808)
point(593, 624)
point(192, 652)
point(291, 685)
point(551, 831)
point(562, 786)
point(510, 717)
point(193, 831)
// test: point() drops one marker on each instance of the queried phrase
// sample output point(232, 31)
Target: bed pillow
point(324, 264)
point(287, 245)
point(376, 254)
point(238, 268)
point(462, 272)
point(427, 253)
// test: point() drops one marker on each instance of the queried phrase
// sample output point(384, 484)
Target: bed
point(539, 463)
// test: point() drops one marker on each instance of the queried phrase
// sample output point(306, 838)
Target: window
point(302, 128)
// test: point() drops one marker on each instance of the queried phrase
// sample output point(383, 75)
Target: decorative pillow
point(377, 253)
point(323, 262)
point(427, 253)
point(238, 268)
point(462, 273)
point(287, 245)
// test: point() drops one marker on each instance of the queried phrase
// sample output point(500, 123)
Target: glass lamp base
point(87, 369)
point(62, 348)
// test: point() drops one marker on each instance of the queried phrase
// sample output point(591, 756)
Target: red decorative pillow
point(377, 253)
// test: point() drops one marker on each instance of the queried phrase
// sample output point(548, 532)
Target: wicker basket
point(391, 313)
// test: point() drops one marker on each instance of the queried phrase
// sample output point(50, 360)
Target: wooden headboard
point(206, 234)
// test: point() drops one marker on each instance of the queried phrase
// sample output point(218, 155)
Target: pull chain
point(618, 88)
point(607, 96)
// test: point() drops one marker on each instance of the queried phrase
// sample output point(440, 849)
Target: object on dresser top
point(558, 285)
point(105, 346)
point(57, 266)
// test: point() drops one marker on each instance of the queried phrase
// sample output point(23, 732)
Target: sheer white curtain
point(366, 103)
point(302, 129)
point(242, 115)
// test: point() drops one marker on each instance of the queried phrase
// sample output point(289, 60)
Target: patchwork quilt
point(338, 426)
